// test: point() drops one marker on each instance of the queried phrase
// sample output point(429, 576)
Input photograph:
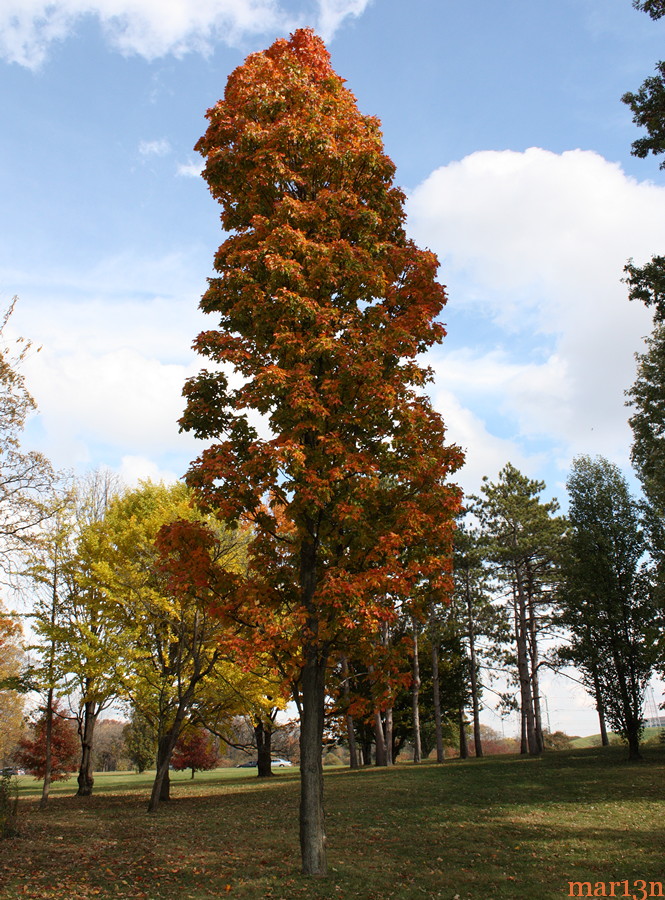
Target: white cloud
point(159, 147)
point(120, 399)
point(333, 12)
point(190, 169)
point(154, 28)
point(534, 244)
point(138, 468)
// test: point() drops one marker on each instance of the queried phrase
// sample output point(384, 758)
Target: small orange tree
point(323, 305)
point(31, 753)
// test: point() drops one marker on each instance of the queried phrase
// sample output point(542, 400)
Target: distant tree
point(110, 751)
point(557, 740)
point(523, 537)
point(140, 737)
point(322, 305)
point(31, 754)
point(195, 750)
point(604, 594)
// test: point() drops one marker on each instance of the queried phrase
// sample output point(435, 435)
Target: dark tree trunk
point(415, 698)
point(463, 746)
point(263, 737)
point(381, 757)
point(388, 737)
point(600, 707)
point(526, 695)
point(86, 733)
point(161, 788)
point(634, 744)
point(524, 745)
point(312, 819)
point(436, 693)
point(477, 742)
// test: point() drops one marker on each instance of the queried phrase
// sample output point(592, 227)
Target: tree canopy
point(322, 438)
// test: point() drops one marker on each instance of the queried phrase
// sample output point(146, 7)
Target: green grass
point(500, 828)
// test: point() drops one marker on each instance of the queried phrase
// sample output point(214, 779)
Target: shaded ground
point(502, 828)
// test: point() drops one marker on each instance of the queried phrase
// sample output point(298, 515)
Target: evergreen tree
point(523, 537)
point(604, 595)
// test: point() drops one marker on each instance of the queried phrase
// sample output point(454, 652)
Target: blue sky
point(505, 122)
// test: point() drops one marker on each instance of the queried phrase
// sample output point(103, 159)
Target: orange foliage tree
point(31, 753)
point(322, 436)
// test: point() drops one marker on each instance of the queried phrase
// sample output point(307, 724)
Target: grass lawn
point(501, 828)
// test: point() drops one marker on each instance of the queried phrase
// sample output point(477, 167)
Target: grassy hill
point(593, 740)
point(499, 828)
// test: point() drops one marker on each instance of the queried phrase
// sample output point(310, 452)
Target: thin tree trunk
point(86, 733)
point(48, 764)
point(350, 730)
point(477, 742)
point(535, 680)
point(438, 726)
point(388, 736)
point(463, 746)
point(415, 698)
point(524, 744)
point(380, 740)
point(312, 818)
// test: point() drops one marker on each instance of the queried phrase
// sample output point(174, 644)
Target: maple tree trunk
point(46, 787)
point(161, 788)
point(85, 776)
point(263, 737)
point(312, 819)
point(415, 699)
point(437, 699)
point(48, 762)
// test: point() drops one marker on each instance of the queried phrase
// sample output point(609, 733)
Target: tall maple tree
point(321, 434)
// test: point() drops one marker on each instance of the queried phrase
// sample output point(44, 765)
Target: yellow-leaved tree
point(174, 659)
